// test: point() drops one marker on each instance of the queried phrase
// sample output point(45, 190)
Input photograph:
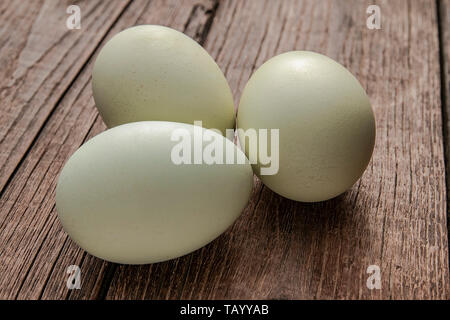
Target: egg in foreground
point(151, 72)
point(122, 198)
point(325, 121)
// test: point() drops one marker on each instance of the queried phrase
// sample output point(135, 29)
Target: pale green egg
point(122, 196)
point(325, 121)
point(152, 72)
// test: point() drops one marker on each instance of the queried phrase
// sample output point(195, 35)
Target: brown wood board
point(394, 217)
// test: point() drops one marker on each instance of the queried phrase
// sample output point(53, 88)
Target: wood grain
point(34, 251)
point(444, 28)
point(394, 217)
point(40, 57)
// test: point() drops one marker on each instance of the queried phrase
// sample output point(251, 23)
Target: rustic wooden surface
point(394, 217)
point(444, 28)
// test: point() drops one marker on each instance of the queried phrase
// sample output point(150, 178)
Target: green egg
point(325, 121)
point(123, 198)
point(152, 72)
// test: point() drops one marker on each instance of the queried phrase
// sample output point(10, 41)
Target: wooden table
point(395, 217)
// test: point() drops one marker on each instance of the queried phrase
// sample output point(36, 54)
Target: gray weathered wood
point(34, 251)
point(444, 28)
point(40, 58)
point(394, 217)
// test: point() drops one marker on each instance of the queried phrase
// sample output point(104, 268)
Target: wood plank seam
point(67, 238)
point(396, 171)
point(200, 38)
point(53, 110)
point(442, 7)
point(33, 141)
point(22, 100)
point(303, 251)
point(62, 97)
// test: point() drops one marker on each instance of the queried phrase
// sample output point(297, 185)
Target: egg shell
point(152, 72)
point(121, 198)
point(325, 121)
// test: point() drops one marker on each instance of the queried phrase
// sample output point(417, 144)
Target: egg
point(124, 196)
point(152, 72)
point(326, 126)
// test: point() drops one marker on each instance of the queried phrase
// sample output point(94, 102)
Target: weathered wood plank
point(34, 251)
point(444, 28)
point(394, 217)
point(40, 57)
